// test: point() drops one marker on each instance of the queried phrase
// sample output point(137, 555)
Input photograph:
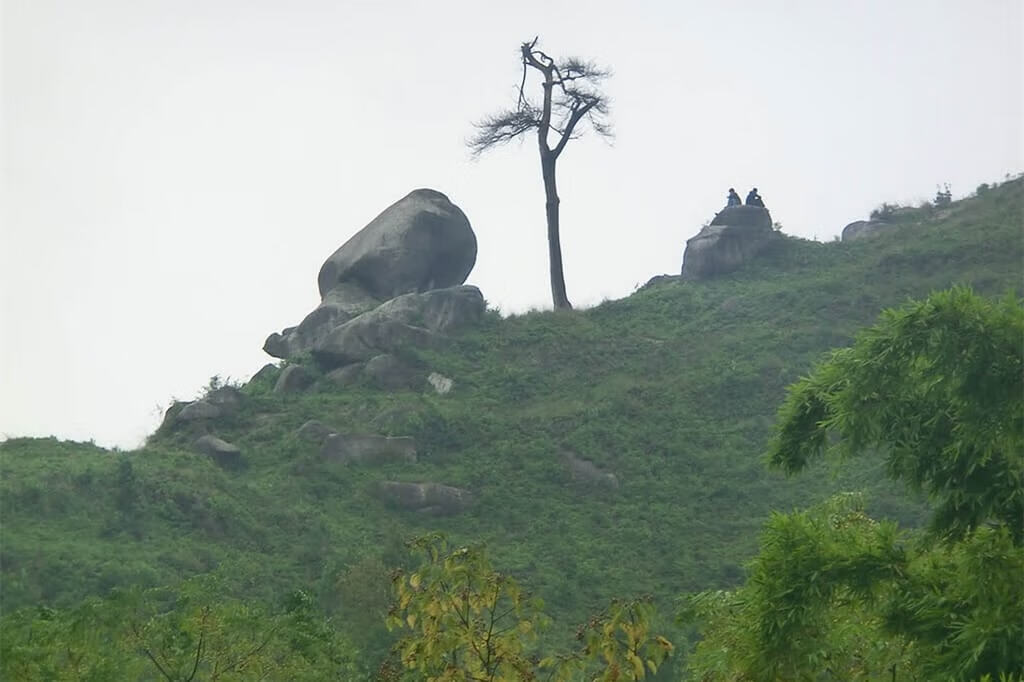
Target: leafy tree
point(936, 386)
point(834, 595)
point(807, 608)
point(570, 95)
point(469, 622)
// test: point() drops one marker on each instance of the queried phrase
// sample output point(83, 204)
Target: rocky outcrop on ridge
point(863, 228)
point(735, 236)
point(397, 282)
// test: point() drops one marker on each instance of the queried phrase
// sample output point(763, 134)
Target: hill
point(672, 391)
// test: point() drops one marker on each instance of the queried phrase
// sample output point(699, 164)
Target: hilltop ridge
point(670, 392)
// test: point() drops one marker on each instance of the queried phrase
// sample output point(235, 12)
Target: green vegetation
point(470, 622)
point(936, 386)
point(195, 632)
point(672, 390)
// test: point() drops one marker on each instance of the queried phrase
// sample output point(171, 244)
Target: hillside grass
point(673, 390)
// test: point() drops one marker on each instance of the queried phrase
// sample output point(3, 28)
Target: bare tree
point(571, 95)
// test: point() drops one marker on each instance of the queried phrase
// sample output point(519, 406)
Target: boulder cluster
point(397, 282)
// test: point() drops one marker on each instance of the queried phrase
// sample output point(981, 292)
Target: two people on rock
point(753, 199)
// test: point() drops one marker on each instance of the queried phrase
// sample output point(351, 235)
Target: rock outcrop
point(395, 283)
point(217, 403)
point(408, 320)
point(368, 449)
point(863, 228)
point(426, 498)
point(735, 236)
point(441, 384)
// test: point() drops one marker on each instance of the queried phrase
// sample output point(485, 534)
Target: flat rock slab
point(410, 320)
point(225, 454)
point(368, 449)
point(426, 498)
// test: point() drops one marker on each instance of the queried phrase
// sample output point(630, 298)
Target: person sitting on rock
point(734, 199)
point(754, 199)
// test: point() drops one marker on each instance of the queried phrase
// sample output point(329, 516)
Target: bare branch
point(503, 127)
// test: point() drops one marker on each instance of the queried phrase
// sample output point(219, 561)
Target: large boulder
point(422, 241)
point(294, 379)
point(368, 449)
point(419, 243)
point(427, 498)
point(411, 320)
point(735, 236)
point(863, 228)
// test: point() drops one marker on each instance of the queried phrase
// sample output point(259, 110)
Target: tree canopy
point(937, 387)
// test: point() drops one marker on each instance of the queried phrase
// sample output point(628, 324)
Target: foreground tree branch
point(570, 95)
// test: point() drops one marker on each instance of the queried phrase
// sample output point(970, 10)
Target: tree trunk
point(558, 295)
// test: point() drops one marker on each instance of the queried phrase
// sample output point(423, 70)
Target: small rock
point(200, 409)
point(347, 448)
point(294, 379)
point(442, 384)
point(225, 454)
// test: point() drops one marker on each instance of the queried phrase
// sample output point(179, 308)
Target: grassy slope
point(673, 389)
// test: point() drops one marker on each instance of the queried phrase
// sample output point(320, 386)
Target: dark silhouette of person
point(734, 199)
point(754, 199)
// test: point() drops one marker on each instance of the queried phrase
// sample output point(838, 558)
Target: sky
point(174, 172)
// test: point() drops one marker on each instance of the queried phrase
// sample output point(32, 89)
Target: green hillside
point(673, 390)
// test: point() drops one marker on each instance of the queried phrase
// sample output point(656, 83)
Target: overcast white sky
point(175, 171)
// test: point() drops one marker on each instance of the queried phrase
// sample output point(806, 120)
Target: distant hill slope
point(672, 390)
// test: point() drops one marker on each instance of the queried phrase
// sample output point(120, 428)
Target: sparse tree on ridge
point(571, 95)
